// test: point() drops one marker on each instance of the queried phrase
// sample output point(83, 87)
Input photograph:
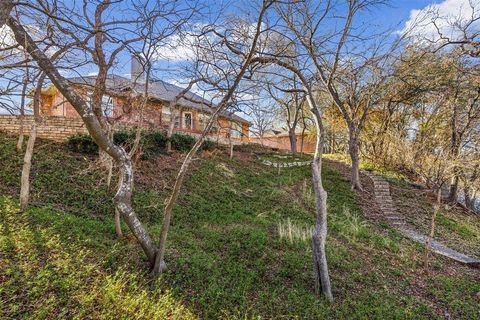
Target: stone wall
point(52, 128)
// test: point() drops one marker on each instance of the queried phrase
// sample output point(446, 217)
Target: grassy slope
point(455, 227)
point(225, 257)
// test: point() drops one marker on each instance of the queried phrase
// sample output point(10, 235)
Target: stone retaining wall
point(52, 128)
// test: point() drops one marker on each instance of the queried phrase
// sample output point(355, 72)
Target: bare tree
point(91, 114)
point(291, 100)
point(246, 52)
point(349, 66)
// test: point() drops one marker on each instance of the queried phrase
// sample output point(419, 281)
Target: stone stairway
point(391, 214)
point(385, 201)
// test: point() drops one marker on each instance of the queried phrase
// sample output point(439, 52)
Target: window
point(188, 120)
point(236, 130)
point(166, 114)
point(107, 106)
point(202, 121)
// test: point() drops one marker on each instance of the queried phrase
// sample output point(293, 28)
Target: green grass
point(225, 256)
point(392, 176)
point(465, 230)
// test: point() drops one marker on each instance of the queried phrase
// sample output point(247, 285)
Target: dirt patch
point(158, 172)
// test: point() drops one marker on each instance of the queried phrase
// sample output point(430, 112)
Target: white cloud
point(447, 18)
point(6, 37)
point(179, 48)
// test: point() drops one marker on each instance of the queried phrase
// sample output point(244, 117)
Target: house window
point(107, 106)
point(236, 130)
point(202, 121)
point(166, 115)
point(188, 120)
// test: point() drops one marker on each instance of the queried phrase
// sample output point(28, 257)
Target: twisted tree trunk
point(122, 199)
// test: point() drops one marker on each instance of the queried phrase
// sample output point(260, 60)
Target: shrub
point(82, 143)
point(182, 142)
point(252, 148)
point(124, 138)
point(209, 145)
point(151, 142)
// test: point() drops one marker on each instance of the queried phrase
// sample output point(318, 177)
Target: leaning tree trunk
point(353, 150)
point(27, 158)
point(123, 197)
point(27, 164)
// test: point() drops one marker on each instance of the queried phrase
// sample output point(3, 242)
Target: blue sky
point(393, 17)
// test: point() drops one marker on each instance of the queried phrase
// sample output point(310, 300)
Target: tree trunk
point(122, 199)
point(354, 156)
point(27, 163)
point(6, 7)
point(118, 224)
point(21, 134)
point(319, 236)
point(171, 127)
point(293, 140)
point(453, 193)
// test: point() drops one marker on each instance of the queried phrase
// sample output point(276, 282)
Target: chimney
point(137, 73)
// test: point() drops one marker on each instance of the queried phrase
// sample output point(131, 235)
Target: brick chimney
point(137, 72)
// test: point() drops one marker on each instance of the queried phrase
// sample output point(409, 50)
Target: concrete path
point(385, 202)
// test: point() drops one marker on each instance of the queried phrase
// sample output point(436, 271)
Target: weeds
point(294, 233)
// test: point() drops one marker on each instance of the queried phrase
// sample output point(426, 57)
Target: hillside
point(226, 256)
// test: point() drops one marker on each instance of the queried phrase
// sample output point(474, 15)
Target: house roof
point(159, 90)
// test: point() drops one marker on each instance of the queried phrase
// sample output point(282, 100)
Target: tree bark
point(171, 125)
point(319, 236)
point(118, 224)
point(27, 158)
point(293, 140)
point(27, 163)
point(353, 150)
point(453, 192)
point(6, 7)
point(21, 134)
point(122, 199)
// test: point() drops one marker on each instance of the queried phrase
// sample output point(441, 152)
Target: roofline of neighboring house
point(118, 93)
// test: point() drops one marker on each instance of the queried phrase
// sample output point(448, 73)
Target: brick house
point(120, 108)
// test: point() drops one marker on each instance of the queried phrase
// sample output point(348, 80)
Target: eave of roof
point(158, 90)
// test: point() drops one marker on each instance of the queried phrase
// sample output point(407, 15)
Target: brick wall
point(52, 128)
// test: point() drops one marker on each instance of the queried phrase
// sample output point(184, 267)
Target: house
point(119, 107)
point(280, 139)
